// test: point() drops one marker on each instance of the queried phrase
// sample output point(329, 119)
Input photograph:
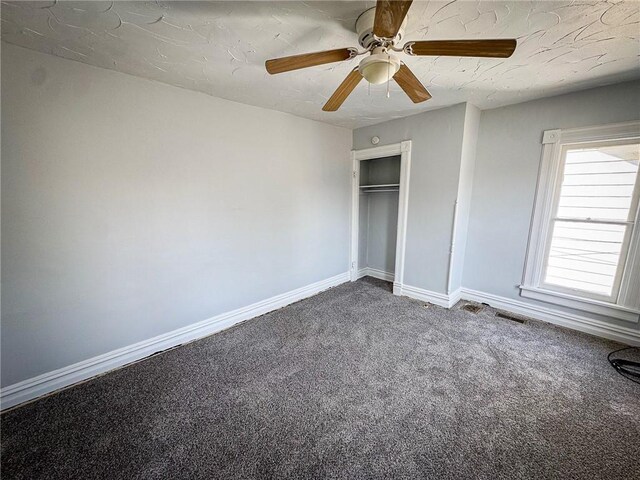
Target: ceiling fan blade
point(462, 48)
point(411, 85)
point(343, 91)
point(389, 17)
point(295, 62)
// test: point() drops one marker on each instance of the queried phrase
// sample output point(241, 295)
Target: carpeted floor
point(352, 383)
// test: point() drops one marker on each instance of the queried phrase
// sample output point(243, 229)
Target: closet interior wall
point(378, 214)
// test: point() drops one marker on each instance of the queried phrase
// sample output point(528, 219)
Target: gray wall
point(506, 173)
point(436, 149)
point(465, 188)
point(380, 171)
point(381, 231)
point(131, 208)
point(363, 230)
point(379, 215)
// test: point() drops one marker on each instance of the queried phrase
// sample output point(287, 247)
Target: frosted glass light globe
point(378, 72)
point(379, 67)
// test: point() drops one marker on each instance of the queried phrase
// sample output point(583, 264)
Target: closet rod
point(376, 190)
point(381, 185)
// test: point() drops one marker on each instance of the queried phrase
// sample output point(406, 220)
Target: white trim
point(403, 209)
point(554, 144)
point(375, 273)
point(380, 151)
point(35, 387)
point(452, 247)
point(548, 180)
point(355, 217)
point(630, 285)
point(579, 303)
point(455, 297)
point(440, 299)
point(551, 136)
point(570, 320)
point(404, 150)
point(597, 133)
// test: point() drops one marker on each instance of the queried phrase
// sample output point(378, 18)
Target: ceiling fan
point(379, 30)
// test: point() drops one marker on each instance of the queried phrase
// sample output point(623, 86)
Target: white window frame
point(624, 303)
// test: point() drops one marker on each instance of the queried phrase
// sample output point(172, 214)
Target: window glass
point(595, 209)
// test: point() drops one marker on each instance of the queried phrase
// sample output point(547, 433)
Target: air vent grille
point(469, 307)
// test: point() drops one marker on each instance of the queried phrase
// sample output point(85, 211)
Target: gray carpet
point(352, 383)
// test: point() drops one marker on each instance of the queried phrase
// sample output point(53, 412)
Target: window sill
point(579, 303)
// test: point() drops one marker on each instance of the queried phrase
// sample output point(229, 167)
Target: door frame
point(404, 150)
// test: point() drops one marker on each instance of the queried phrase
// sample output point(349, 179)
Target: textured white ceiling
point(219, 48)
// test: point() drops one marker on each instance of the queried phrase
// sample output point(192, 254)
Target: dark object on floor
point(627, 368)
point(509, 317)
point(470, 307)
point(354, 383)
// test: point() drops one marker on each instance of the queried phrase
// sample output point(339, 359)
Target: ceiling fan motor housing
point(364, 28)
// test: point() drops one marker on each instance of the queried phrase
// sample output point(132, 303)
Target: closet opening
point(380, 193)
point(378, 222)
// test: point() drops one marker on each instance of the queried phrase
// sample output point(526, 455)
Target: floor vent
point(472, 308)
point(509, 317)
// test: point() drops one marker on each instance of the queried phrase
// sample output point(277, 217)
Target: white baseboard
point(375, 273)
point(546, 314)
point(35, 387)
point(455, 297)
point(44, 384)
point(440, 299)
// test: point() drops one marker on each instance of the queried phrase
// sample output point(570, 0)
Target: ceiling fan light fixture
point(379, 30)
point(379, 67)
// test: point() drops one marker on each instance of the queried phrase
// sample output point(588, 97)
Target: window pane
point(584, 256)
point(598, 182)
